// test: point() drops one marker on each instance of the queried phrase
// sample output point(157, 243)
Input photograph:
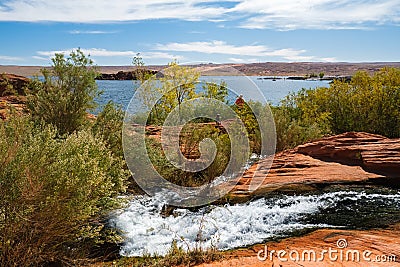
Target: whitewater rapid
point(146, 231)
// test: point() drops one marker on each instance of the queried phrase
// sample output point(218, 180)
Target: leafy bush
point(67, 93)
point(291, 131)
point(192, 135)
point(108, 126)
point(368, 103)
point(54, 193)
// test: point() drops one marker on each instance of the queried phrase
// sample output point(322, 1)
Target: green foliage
point(66, 94)
point(292, 131)
point(216, 91)
point(192, 135)
point(54, 193)
point(250, 121)
point(140, 72)
point(312, 75)
point(367, 103)
point(177, 86)
point(108, 126)
point(6, 88)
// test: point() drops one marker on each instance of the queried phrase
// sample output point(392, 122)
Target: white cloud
point(108, 11)
point(220, 47)
point(8, 58)
point(161, 55)
point(242, 60)
point(252, 14)
point(100, 52)
point(91, 32)
point(41, 58)
point(317, 14)
point(214, 47)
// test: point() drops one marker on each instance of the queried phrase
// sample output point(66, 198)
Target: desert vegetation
point(368, 103)
point(60, 172)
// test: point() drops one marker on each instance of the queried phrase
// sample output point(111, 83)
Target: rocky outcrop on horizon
point(123, 75)
point(258, 69)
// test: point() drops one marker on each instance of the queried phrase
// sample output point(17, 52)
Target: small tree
point(67, 93)
point(216, 91)
point(178, 85)
point(140, 72)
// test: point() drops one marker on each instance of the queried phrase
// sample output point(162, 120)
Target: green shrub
point(292, 131)
point(108, 126)
point(54, 193)
point(67, 93)
point(192, 135)
point(368, 103)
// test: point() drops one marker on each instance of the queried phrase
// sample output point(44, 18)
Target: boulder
point(11, 84)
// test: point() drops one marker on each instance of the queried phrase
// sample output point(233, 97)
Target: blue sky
point(234, 31)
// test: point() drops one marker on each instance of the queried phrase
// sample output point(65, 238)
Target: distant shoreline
point(251, 69)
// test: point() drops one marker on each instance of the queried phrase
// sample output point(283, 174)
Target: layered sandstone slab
point(349, 158)
point(350, 248)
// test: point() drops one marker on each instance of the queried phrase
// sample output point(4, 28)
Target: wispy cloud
point(10, 59)
point(41, 58)
point(251, 14)
point(242, 60)
point(91, 32)
point(100, 52)
point(197, 32)
point(317, 14)
point(221, 47)
point(108, 11)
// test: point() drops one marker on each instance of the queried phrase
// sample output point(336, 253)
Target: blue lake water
point(121, 92)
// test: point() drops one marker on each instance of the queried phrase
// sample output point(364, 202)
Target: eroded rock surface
point(10, 84)
point(381, 248)
point(349, 158)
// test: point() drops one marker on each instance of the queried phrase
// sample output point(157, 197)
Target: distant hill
point(260, 69)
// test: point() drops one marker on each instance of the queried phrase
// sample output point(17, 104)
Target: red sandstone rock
point(372, 152)
point(17, 82)
point(381, 243)
point(350, 158)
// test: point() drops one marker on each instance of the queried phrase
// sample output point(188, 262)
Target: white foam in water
point(231, 226)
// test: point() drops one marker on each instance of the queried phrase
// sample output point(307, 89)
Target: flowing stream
point(147, 231)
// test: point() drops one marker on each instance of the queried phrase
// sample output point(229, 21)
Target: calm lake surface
point(121, 92)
